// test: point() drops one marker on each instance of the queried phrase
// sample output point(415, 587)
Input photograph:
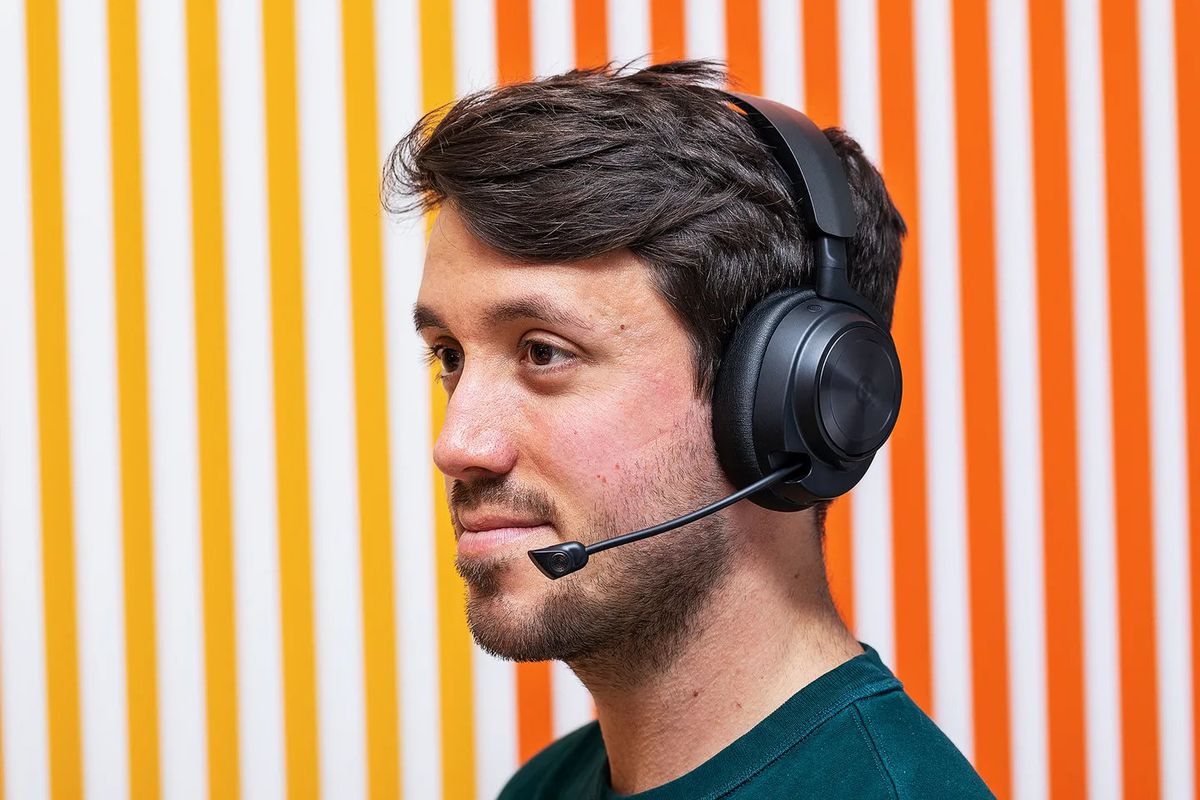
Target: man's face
point(572, 415)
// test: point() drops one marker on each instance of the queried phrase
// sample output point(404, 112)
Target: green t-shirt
point(851, 733)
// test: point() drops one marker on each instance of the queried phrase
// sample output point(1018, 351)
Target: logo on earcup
point(864, 391)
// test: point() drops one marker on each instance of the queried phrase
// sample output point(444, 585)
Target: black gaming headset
point(811, 375)
point(809, 387)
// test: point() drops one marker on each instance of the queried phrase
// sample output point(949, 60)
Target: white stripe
point(474, 47)
point(22, 631)
point(553, 37)
point(1094, 401)
point(495, 703)
point(573, 705)
point(782, 52)
point(1160, 184)
point(858, 65)
point(252, 427)
point(397, 51)
point(172, 376)
point(871, 500)
point(704, 29)
point(91, 319)
point(942, 348)
point(1017, 303)
point(629, 31)
point(337, 599)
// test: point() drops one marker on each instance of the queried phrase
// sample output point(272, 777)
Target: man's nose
point(475, 439)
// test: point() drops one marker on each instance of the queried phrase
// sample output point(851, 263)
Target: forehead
point(464, 280)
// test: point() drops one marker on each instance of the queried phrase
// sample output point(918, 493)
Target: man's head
point(601, 234)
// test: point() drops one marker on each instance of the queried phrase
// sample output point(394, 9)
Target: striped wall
point(225, 561)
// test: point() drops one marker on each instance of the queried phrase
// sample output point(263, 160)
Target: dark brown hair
point(653, 160)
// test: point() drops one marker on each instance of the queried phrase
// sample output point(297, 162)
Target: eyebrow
point(537, 308)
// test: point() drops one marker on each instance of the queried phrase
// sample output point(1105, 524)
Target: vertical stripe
point(666, 30)
point(1128, 320)
point(256, 553)
point(454, 640)
point(869, 537)
point(981, 395)
point(704, 29)
point(553, 44)
point(1093, 399)
point(629, 31)
point(942, 326)
point(1187, 87)
point(174, 457)
point(1060, 473)
point(23, 709)
point(141, 640)
point(371, 408)
point(591, 33)
point(782, 52)
point(397, 49)
point(1165, 349)
point(514, 61)
point(898, 160)
point(1016, 303)
point(573, 705)
point(743, 46)
point(58, 551)
point(821, 95)
point(92, 328)
point(291, 407)
point(212, 400)
point(329, 356)
point(130, 290)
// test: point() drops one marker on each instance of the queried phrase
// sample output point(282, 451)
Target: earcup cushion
point(737, 385)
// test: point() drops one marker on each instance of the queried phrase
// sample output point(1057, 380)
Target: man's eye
point(448, 357)
point(546, 355)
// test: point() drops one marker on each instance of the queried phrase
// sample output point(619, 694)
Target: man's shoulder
point(562, 767)
point(914, 755)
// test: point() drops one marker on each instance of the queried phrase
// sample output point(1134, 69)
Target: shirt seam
point(884, 772)
point(869, 690)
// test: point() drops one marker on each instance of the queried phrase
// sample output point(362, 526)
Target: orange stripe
point(141, 659)
point(370, 385)
point(591, 33)
point(53, 390)
point(910, 545)
point(535, 719)
point(1131, 413)
point(212, 402)
point(743, 48)
point(535, 715)
point(981, 397)
point(291, 406)
point(514, 50)
point(666, 30)
point(454, 639)
point(1060, 480)
point(1187, 75)
point(821, 62)
point(821, 88)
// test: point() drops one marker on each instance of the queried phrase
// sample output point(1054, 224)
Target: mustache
point(502, 493)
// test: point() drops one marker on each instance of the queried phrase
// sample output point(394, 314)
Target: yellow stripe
point(212, 401)
point(454, 639)
point(50, 310)
point(291, 407)
point(370, 385)
point(133, 400)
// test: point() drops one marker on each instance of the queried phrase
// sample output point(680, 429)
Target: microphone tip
point(560, 559)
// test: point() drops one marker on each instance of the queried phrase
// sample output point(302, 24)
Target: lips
point(483, 533)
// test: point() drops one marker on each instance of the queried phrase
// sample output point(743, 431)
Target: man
point(600, 235)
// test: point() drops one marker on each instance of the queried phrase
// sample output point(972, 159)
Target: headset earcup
point(737, 385)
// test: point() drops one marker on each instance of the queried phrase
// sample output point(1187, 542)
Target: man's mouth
point(484, 534)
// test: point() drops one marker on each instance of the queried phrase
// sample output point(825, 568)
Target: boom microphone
point(563, 559)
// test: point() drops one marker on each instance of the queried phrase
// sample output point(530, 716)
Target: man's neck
point(752, 649)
